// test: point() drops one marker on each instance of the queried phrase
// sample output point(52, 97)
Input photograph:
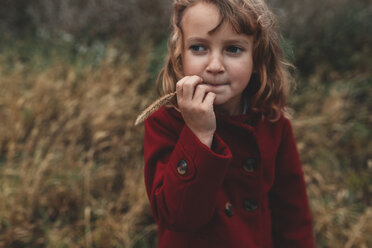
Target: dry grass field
point(71, 160)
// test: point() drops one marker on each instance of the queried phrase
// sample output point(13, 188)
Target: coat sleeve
point(291, 216)
point(182, 201)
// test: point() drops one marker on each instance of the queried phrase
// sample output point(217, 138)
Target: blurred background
point(74, 75)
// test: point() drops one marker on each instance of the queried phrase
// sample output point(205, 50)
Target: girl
point(222, 167)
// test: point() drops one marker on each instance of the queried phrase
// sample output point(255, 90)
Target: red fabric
point(190, 208)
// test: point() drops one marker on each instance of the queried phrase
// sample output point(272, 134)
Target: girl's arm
point(291, 216)
point(182, 174)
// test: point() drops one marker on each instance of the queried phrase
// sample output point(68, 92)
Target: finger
point(199, 94)
point(188, 87)
point(209, 99)
point(179, 86)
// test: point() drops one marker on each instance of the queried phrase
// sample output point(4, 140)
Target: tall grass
point(71, 160)
point(70, 157)
point(332, 125)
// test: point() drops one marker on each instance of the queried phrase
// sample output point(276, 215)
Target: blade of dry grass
point(153, 107)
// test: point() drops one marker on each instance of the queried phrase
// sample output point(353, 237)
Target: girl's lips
point(215, 84)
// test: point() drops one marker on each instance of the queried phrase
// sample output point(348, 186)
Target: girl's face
point(223, 58)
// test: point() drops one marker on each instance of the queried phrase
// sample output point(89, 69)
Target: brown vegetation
point(71, 159)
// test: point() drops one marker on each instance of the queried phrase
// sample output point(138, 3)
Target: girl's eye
point(234, 49)
point(197, 48)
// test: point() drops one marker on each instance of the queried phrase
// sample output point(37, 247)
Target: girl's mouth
point(215, 84)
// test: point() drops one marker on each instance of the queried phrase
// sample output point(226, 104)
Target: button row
point(249, 165)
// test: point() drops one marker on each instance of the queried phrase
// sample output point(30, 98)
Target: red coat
point(247, 191)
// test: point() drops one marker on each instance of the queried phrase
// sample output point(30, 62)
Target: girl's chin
point(218, 104)
point(219, 100)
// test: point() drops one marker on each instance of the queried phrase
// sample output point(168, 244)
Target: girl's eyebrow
point(196, 39)
point(227, 41)
point(237, 41)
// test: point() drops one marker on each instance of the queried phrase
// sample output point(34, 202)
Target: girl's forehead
point(212, 16)
point(202, 15)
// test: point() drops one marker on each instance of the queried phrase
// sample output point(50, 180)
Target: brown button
point(250, 205)
point(250, 165)
point(182, 167)
point(228, 209)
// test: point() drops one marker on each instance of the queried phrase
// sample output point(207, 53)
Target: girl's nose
point(215, 64)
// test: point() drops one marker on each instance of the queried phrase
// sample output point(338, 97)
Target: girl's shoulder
point(278, 128)
point(165, 113)
point(283, 121)
point(284, 127)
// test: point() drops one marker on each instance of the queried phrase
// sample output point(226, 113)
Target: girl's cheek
point(193, 68)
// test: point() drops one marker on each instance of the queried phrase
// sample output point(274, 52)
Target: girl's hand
point(196, 106)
